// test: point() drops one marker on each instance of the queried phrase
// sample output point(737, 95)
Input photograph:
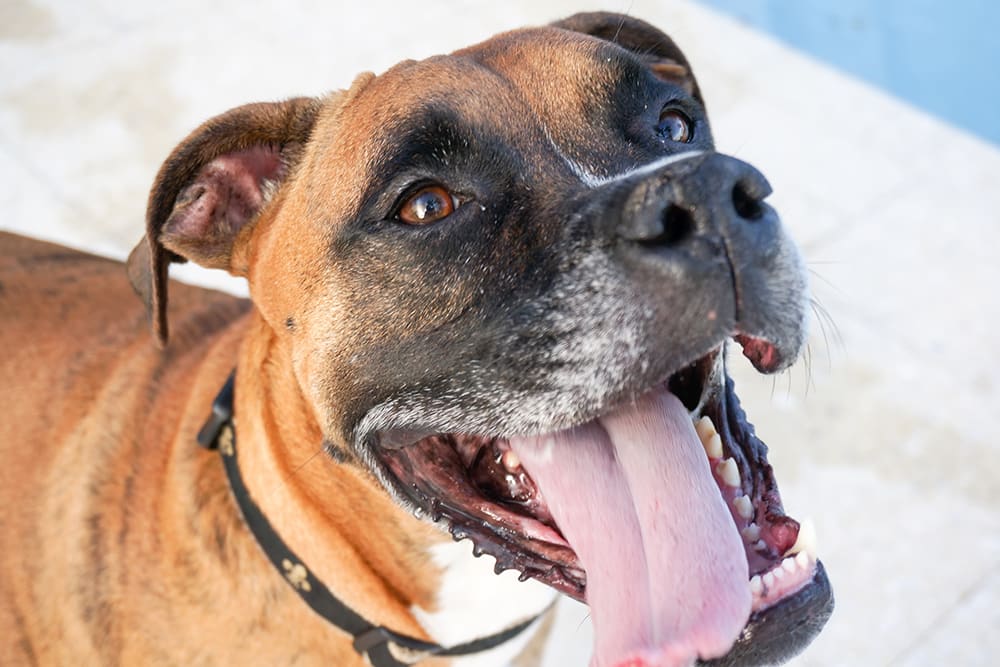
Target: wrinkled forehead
point(558, 73)
point(527, 86)
point(552, 72)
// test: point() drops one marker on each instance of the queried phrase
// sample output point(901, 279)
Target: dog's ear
point(213, 186)
point(648, 43)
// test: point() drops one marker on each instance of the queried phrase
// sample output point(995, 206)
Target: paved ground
point(877, 439)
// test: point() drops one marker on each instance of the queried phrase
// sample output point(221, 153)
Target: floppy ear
point(648, 43)
point(213, 186)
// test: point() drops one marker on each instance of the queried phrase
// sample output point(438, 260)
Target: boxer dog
point(491, 298)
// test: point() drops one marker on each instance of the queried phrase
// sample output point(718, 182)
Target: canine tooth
point(728, 471)
point(768, 579)
point(511, 461)
point(713, 446)
point(789, 565)
point(806, 540)
point(751, 533)
point(705, 428)
point(802, 559)
point(743, 506)
point(756, 587)
point(760, 545)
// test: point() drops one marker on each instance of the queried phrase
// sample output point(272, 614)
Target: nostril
point(678, 225)
point(747, 206)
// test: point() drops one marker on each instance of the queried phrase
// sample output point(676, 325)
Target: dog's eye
point(674, 126)
point(428, 204)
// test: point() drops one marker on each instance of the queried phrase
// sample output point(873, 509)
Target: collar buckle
point(222, 413)
point(379, 643)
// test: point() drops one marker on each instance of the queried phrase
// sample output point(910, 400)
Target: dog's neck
point(389, 567)
point(372, 554)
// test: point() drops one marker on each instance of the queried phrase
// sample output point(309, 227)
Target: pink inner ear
point(227, 193)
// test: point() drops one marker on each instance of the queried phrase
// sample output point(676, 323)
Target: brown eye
point(428, 204)
point(674, 126)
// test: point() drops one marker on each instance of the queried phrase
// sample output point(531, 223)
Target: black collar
point(382, 647)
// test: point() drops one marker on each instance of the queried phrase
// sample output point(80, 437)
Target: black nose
point(701, 197)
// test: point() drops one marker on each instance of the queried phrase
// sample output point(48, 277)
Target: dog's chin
point(484, 489)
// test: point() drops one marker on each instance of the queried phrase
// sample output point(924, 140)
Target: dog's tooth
point(713, 446)
point(802, 559)
point(743, 506)
point(810, 536)
point(789, 565)
point(768, 579)
point(806, 540)
point(760, 545)
point(728, 471)
point(511, 461)
point(435, 510)
point(756, 587)
point(704, 428)
point(751, 533)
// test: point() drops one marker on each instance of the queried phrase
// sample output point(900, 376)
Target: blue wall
point(942, 56)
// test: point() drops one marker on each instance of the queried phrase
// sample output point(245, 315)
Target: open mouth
point(661, 506)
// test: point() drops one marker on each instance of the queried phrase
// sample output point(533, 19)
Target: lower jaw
point(779, 632)
point(785, 575)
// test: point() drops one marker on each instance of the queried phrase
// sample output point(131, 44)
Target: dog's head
point(507, 278)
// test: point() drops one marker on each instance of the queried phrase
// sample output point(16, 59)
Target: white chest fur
point(474, 602)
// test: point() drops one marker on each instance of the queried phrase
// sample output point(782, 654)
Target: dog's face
point(507, 278)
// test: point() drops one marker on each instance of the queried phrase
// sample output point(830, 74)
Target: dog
point(491, 295)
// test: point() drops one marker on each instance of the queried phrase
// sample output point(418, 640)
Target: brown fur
point(113, 518)
point(120, 539)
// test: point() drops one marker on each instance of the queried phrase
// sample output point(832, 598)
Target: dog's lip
point(765, 356)
point(443, 493)
point(770, 638)
point(701, 375)
point(549, 559)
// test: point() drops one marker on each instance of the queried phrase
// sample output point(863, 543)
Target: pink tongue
point(632, 492)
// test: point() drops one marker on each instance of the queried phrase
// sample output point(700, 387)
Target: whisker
point(828, 327)
point(807, 359)
point(307, 461)
point(621, 24)
point(829, 283)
